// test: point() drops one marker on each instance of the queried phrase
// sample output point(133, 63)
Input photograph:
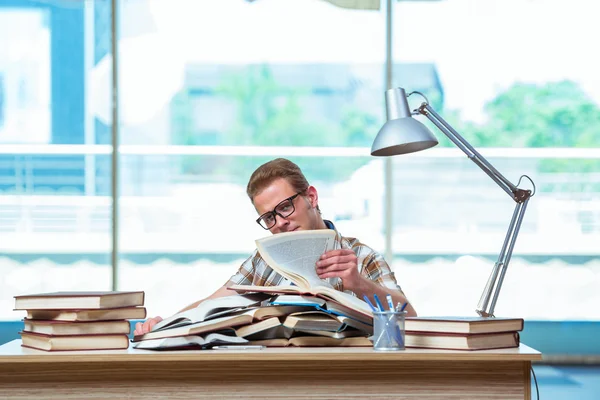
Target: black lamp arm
point(491, 291)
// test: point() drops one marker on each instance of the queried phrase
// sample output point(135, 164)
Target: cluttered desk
point(76, 344)
point(341, 372)
point(295, 341)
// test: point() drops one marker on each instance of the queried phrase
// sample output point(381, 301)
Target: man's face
point(305, 215)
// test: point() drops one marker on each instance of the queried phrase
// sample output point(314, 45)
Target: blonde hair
point(273, 170)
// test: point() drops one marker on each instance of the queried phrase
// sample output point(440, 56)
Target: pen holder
point(388, 330)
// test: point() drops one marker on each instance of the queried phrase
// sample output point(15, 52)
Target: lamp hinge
point(520, 195)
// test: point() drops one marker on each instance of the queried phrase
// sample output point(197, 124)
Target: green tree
point(359, 127)
point(269, 114)
point(555, 114)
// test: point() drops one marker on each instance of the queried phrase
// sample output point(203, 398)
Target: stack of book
point(79, 320)
point(463, 333)
point(260, 319)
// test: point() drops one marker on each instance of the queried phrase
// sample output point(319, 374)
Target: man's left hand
point(340, 263)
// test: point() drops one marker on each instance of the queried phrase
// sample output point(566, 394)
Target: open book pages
point(330, 295)
point(295, 254)
point(225, 322)
point(189, 342)
point(344, 314)
point(271, 310)
point(212, 308)
point(198, 328)
point(267, 329)
point(320, 321)
point(313, 321)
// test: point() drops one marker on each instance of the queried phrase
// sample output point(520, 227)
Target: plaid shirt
point(255, 271)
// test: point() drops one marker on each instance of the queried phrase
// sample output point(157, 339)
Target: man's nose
point(281, 221)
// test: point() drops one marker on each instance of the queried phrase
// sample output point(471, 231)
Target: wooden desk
point(300, 373)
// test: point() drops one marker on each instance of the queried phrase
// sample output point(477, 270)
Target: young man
point(285, 202)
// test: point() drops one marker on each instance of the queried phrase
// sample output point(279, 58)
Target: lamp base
point(485, 314)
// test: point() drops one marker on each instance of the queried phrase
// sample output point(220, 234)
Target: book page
point(294, 254)
point(188, 341)
point(211, 308)
point(347, 299)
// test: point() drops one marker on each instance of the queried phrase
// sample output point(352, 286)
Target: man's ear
point(313, 196)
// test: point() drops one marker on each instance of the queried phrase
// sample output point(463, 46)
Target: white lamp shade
point(402, 136)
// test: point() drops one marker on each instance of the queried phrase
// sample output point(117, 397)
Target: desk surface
point(12, 352)
point(271, 373)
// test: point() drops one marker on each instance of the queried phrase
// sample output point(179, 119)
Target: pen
point(403, 306)
point(238, 347)
point(369, 303)
point(390, 302)
point(378, 302)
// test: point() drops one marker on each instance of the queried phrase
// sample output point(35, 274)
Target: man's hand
point(340, 263)
point(146, 326)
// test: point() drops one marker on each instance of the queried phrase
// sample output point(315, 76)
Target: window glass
point(531, 110)
point(237, 83)
point(54, 182)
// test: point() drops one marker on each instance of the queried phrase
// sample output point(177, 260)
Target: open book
point(189, 342)
point(319, 321)
point(226, 322)
point(321, 304)
point(294, 256)
point(198, 328)
point(212, 308)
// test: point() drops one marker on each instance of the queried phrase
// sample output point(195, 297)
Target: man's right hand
point(146, 326)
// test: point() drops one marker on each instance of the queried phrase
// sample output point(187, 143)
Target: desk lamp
point(402, 134)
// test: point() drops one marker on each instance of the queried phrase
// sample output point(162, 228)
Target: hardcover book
point(481, 341)
point(105, 314)
point(78, 300)
point(64, 328)
point(466, 325)
point(81, 342)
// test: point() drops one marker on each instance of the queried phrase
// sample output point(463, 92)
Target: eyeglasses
point(283, 209)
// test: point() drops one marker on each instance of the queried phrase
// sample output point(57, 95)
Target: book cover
point(194, 342)
point(213, 308)
point(446, 341)
point(70, 343)
point(466, 325)
point(66, 328)
point(105, 314)
point(78, 300)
